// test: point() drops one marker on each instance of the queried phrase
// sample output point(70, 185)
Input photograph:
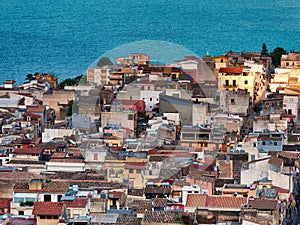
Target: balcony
point(230, 86)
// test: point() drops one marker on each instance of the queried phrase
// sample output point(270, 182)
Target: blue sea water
point(64, 37)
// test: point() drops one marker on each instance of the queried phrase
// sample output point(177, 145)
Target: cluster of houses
point(199, 141)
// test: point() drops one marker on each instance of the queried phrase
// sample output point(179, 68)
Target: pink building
point(135, 105)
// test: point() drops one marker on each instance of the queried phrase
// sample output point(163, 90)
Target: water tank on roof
point(75, 188)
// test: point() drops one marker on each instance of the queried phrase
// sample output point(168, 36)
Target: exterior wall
point(281, 180)
point(135, 177)
point(151, 98)
point(130, 92)
point(291, 105)
point(260, 125)
point(49, 134)
point(115, 170)
point(235, 102)
point(240, 82)
point(206, 185)
point(256, 171)
point(81, 121)
point(178, 105)
point(269, 145)
point(56, 98)
point(65, 166)
point(200, 114)
point(77, 212)
point(47, 221)
point(124, 119)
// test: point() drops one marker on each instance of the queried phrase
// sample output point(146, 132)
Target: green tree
point(276, 55)
point(70, 82)
point(30, 77)
point(264, 50)
point(104, 61)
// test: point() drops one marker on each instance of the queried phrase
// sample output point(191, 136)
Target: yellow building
point(238, 78)
point(292, 60)
point(134, 172)
point(52, 80)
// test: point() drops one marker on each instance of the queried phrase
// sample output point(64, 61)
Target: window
point(21, 213)
point(263, 143)
point(254, 144)
point(59, 197)
point(232, 101)
point(252, 157)
point(130, 117)
point(246, 81)
point(130, 170)
point(226, 82)
point(234, 83)
point(150, 99)
point(47, 198)
point(95, 156)
point(138, 171)
point(275, 143)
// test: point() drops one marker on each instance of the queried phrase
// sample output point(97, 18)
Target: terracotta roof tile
point(139, 206)
point(156, 217)
point(216, 201)
point(77, 203)
point(51, 187)
point(128, 221)
point(264, 204)
point(276, 161)
point(199, 200)
point(231, 70)
point(159, 202)
point(135, 165)
point(5, 203)
point(47, 208)
point(27, 150)
point(36, 108)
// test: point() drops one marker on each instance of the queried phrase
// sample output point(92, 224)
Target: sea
point(66, 37)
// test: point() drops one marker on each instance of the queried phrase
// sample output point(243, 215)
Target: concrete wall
point(49, 134)
point(256, 171)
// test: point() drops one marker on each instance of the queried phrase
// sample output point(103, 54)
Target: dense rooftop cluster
point(199, 141)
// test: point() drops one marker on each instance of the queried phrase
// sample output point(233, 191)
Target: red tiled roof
point(215, 201)
point(77, 203)
point(32, 115)
point(47, 208)
point(5, 203)
point(264, 204)
point(134, 165)
point(199, 200)
point(51, 187)
point(36, 108)
point(27, 150)
point(58, 155)
point(10, 82)
point(159, 202)
point(231, 70)
point(67, 160)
